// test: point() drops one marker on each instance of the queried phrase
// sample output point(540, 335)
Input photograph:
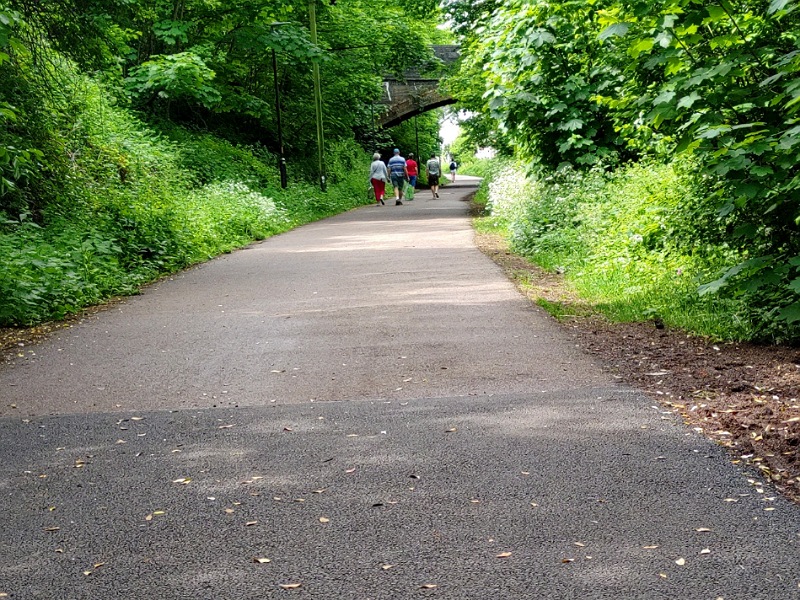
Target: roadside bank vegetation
point(651, 152)
point(137, 138)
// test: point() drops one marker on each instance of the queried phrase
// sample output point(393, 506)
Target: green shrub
point(635, 242)
point(120, 202)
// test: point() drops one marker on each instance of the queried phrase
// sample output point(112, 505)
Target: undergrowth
point(635, 243)
point(116, 202)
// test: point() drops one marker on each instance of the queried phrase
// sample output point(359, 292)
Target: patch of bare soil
point(743, 396)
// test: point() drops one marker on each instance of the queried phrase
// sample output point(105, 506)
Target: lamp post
point(312, 14)
point(281, 158)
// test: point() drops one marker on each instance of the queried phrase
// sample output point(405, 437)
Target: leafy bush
point(628, 242)
point(131, 203)
point(182, 76)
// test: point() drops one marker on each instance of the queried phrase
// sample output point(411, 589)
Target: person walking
point(433, 169)
point(378, 175)
point(399, 175)
point(413, 170)
point(453, 167)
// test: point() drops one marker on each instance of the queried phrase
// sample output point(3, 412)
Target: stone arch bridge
point(416, 93)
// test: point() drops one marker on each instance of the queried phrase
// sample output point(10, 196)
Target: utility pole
point(312, 14)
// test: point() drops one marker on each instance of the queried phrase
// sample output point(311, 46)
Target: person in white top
point(378, 175)
point(433, 168)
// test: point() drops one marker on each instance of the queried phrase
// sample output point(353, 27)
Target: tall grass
point(634, 243)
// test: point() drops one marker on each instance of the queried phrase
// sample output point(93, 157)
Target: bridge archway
point(415, 94)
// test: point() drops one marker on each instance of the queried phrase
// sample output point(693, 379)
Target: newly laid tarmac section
point(368, 407)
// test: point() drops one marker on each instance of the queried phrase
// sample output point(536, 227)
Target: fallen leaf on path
point(705, 551)
point(182, 480)
point(386, 567)
point(534, 504)
point(452, 430)
point(525, 472)
point(413, 477)
point(148, 517)
point(262, 561)
point(251, 523)
point(288, 429)
point(503, 555)
point(227, 426)
point(703, 529)
point(324, 520)
point(428, 586)
point(52, 528)
point(87, 573)
point(649, 547)
point(475, 501)
point(662, 575)
point(350, 471)
point(680, 562)
point(229, 511)
point(320, 491)
point(290, 586)
point(580, 544)
point(567, 560)
point(137, 418)
point(98, 565)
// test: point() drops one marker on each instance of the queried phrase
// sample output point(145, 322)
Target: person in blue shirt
point(398, 172)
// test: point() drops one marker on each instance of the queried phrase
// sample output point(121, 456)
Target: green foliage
point(602, 82)
point(182, 76)
point(131, 203)
point(627, 242)
point(209, 63)
point(541, 65)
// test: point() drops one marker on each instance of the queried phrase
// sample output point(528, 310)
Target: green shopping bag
point(408, 191)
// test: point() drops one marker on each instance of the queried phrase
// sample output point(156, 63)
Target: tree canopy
point(593, 83)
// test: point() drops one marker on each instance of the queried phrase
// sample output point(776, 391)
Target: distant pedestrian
point(413, 170)
point(434, 170)
point(378, 176)
point(453, 167)
point(399, 175)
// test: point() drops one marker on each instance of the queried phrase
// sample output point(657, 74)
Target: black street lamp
point(312, 17)
point(281, 158)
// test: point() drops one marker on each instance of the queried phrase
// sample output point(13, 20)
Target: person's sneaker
point(436, 194)
point(382, 202)
point(398, 203)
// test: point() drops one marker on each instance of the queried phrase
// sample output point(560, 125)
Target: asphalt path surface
point(362, 408)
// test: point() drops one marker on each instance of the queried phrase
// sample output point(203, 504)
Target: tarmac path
point(368, 406)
